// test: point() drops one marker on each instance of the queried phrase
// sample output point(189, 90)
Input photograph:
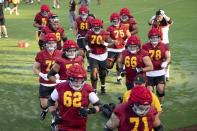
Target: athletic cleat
point(54, 127)
point(103, 90)
point(119, 81)
point(43, 114)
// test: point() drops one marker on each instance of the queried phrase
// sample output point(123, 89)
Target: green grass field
point(19, 103)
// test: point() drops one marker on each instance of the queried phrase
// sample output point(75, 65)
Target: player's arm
point(75, 29)
point(97, 106)
point(151, 21)
point(112, 123)
point(157, 126)
point(108, 43)
point(148, 64)
point(51, 74)
point(128, 34)
point(41, 38)
point(86, 42)
point(36, 68)
point(35, 24)
point(64, 37)
point(167, 59)
point(134, 29)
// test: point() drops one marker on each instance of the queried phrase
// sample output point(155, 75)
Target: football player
point(136, 114)
point(41, 18)
point(135, 60)
point(162, 22)
point(53, 28)
point(160, 57)
point(43, 63)
point(74, 97)
point(81, 26)
point(97, 40)
point(128, 20)
point(69, 57)
point(141, 80)
point(119, 34)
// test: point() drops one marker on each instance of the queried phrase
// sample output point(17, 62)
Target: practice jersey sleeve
point(93, 98)
point(54, 95)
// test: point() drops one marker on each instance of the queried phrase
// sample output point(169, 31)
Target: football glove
point(44, 76)
point(164, 64)
point(83, 111)
point(78, 36)
point(122, 72)
point(137, 70)
point(108, 109)
point(60, 81)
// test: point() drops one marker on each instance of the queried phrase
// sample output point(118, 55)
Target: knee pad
point(160, 94)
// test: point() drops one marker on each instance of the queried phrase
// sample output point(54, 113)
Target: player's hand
point(122, 72)
point(164, 64)
point(116, 43)
point(137, 70)
point(44, 76)
point(59, 81)
point(78, 36)
point(102, 42)
point(162, 13)
point(57, 76)
point(108, 109)
point(83, 112)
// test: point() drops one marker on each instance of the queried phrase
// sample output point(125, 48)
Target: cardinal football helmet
point(133, 44)
point(124, 14)
point(45, 9)
point(140, 100)
point(51, 41)
point(97, 25)
point(154, 36)
point(115, 19)
point(77, 76)
point(83, 12)
point(70, 49)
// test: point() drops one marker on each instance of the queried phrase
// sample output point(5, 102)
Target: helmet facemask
point(96, 29)
point(45, 14)
point(77, 83)
point(116, 22)
point(71, 53)
point(51, 45)
point(84, 15)
point(154, 40)
point(124, 17)
point(133, 49)
point(140, 110)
